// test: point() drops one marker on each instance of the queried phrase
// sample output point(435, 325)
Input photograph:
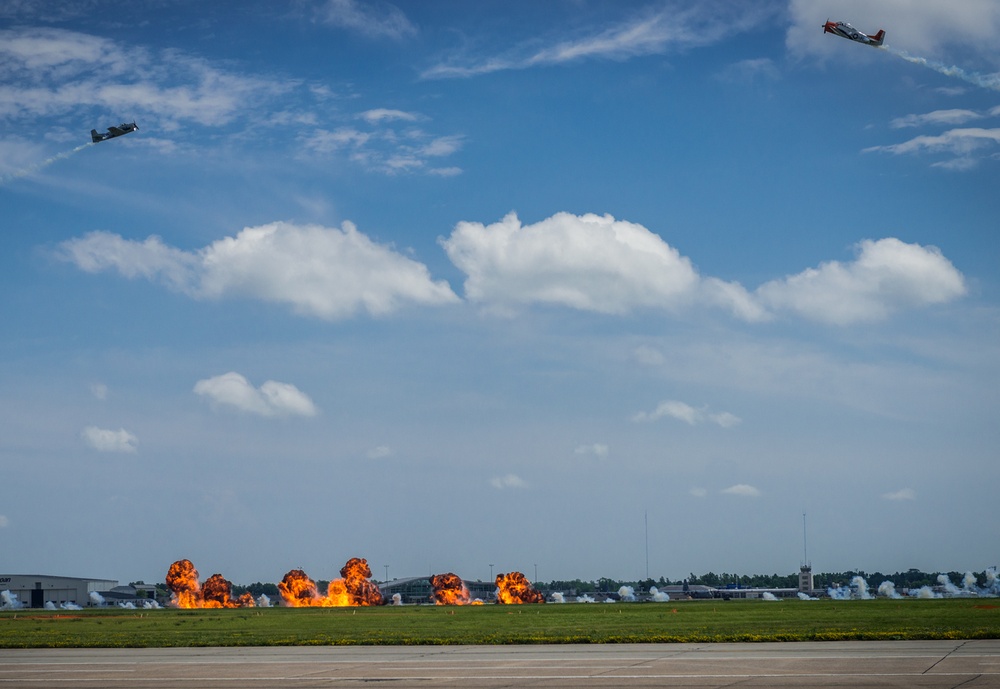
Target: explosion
point(514, 589)
point(182, 580)
point(449, 589)
point(354, 588)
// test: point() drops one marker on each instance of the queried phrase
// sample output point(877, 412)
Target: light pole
point(491, 571)
point(386, 573)
point(536, 574)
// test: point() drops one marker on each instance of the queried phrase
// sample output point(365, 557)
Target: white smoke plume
point(263, 601)
point(627, 594)
point(925, 592)
point(806, 596)
point(585, 599)
point(887, 589)
point(31, 169)
point(96, 598)
point(658, 596)
point(397, 599)
point(986, 81)
point(557, 597)
point(9, 601)
point(70, 606)
point(767, 595)
point(49, 605)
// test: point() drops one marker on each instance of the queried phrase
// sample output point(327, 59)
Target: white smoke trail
point(986, 81)
point(31, 169)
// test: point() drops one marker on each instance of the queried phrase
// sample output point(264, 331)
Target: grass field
point(695, 621)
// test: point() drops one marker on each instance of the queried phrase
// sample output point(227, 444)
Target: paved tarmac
point(966, 664)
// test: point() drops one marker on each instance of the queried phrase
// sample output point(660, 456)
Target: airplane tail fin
point(879, 37)
point(95, 137)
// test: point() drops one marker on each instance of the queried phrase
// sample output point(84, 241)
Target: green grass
point(695, 621)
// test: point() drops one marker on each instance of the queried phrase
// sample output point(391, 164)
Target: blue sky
point(449, 284)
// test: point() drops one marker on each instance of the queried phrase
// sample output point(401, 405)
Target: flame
point(514, 589)
point(182, 580)
point(354, 588)
point(449, 589)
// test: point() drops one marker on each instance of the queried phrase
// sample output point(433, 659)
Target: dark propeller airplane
point(120, 130)
point(845, 30)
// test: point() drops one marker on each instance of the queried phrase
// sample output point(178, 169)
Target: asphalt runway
point(966, 664)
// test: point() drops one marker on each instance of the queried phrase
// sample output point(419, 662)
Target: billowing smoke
point(767, 595)
point(925, 592)
point(986, 81)
point(9, 601)
point(657, 595)
point(585, 599)
point(806, 596)
point(888, 590)
point(557, 597)
point(397, 599)
point(263, 601)
point(96, 598)
point(626, 594)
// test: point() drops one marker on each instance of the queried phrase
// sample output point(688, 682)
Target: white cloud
point(742, 489)
point(938, 117)
point(682, 411)
point(887, 275)
point(648, 356)
point(598, 450)
point(379, 452)
point(271, 399)
point(674, 28)
point(698, 492)
point(507, 481)
point(962, 143)
point(373, 18)
point(323, 272)
point(929, 26)
point(48, 71)
point(901, 494)
point(378, 115)
point(107, 440)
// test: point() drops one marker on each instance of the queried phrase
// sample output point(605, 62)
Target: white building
point(35, 590)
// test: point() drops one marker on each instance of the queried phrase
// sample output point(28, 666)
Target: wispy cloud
point(681, 411)
point(108, 440)
point(508, 481)
point(901, 494)
point(323, 272)
point(937, 117)
point(270, 399)
point(675, 27)
point(372, 18)
point(597, 450)
point(742, 489)
point(962, 143)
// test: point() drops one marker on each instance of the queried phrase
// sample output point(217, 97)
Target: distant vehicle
point(845, 30)
point(120, 130)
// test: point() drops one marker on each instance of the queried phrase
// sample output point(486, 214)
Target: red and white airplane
point(845, 30)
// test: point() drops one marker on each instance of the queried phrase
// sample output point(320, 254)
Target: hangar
point(36, 590)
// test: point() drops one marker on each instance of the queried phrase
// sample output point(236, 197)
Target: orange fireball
point(449, 589)
point(515, 589)
point(298, 590)
point(182, 580)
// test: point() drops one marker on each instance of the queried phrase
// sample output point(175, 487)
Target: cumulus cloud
point(597, 450)
point(323, 272)
point(107, 440)
point(271, 399)
point(901, 494)
point(741, 489)
point(887, 275)
point(682, 411)
point(676, 27)
point(373, 18)
point(507, 481)
point(588, 262)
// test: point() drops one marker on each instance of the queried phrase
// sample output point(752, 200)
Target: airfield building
point(38, 590)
